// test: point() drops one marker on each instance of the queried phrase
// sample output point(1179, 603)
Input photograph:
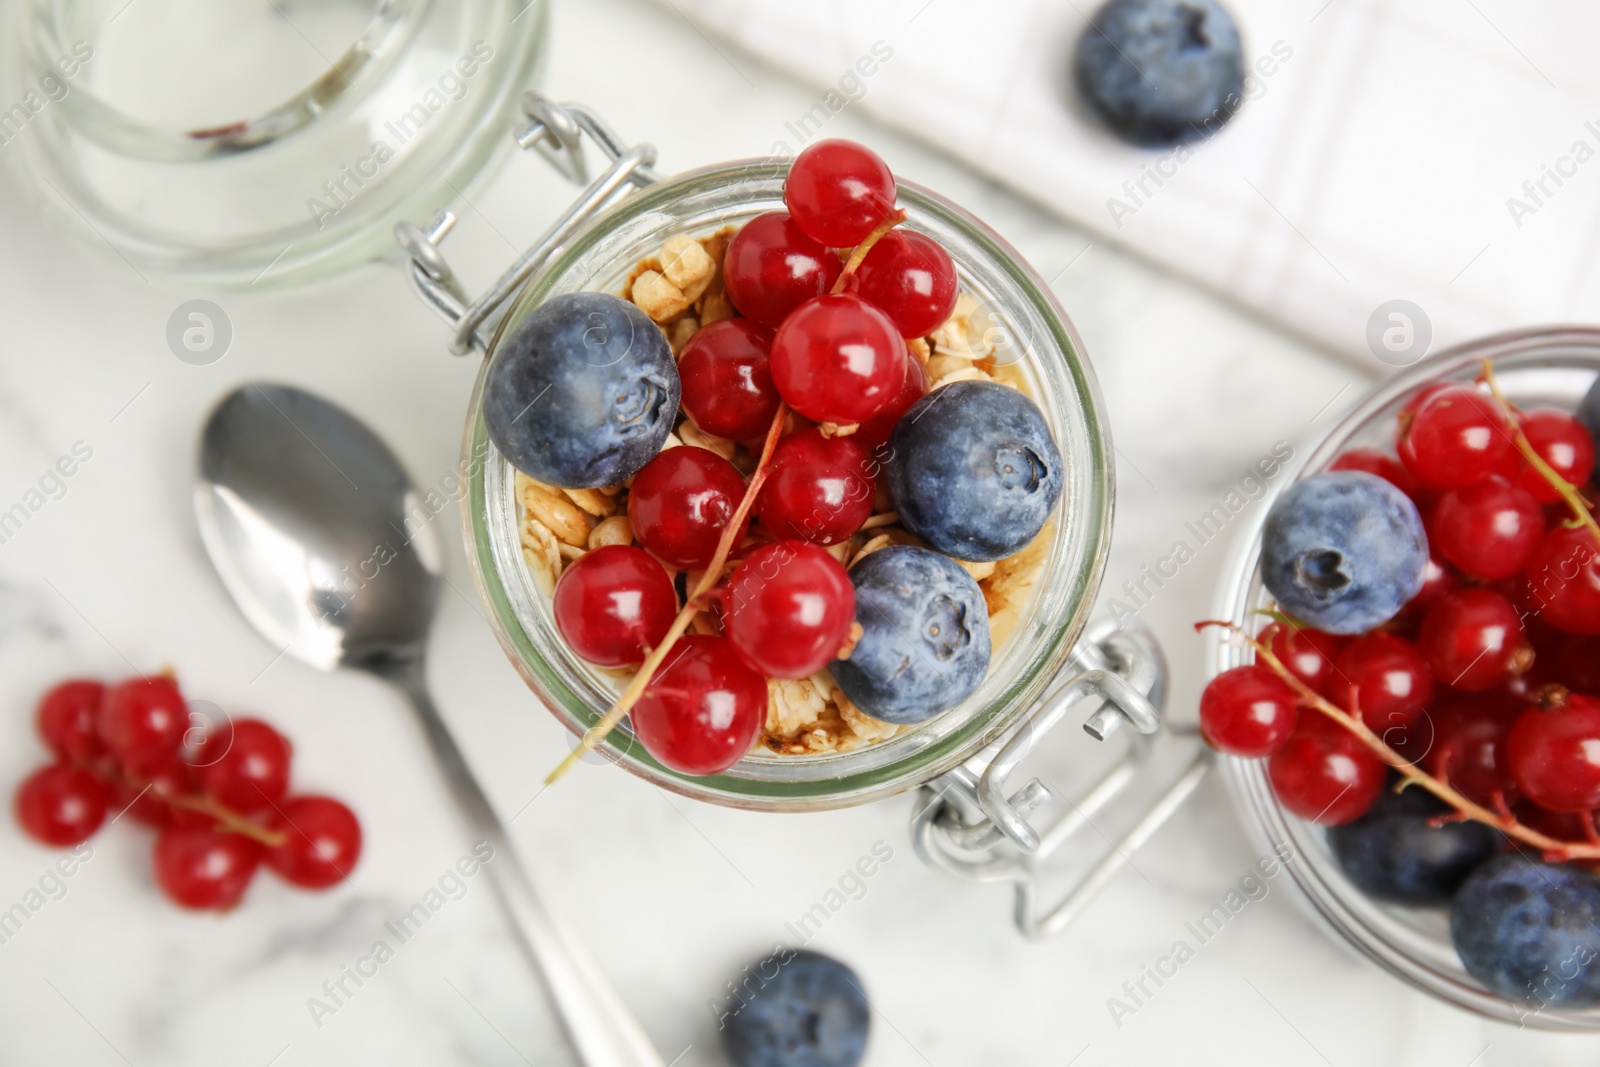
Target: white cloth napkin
point(1443, 152)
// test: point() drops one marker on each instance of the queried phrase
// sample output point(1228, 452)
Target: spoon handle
point(602, 1029)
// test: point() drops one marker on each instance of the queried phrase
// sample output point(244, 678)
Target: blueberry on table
point(582, 393)
point(1530, 931)
point(1161, 72)
point(924, 646)
point(973, 470)
point(1395, 853)
point(812, 1013)
point(1343, 551)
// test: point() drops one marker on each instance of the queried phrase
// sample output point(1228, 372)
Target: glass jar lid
point(256, 143)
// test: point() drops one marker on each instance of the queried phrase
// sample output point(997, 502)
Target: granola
point(681, 289)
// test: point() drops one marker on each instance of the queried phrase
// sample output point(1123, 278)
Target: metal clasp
point(965, 823)
point(556, 131)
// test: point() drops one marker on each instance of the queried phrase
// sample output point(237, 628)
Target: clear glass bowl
point(1554, 367)
point(248, 142)
point(1032, 327)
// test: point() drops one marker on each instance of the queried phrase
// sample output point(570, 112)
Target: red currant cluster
point(813, 375)
point(1485, 685)
point(218, 796)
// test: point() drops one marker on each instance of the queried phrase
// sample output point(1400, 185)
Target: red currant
point(1420, 398)
point(1473, 640)
point(911, 279)
point(1561, 825)
point(1387, 678)
point(1247, 711)
point(146, 796)
point(1309, 655)
point(771, 268)
point(1488, 529)
point(727, 382)
point(1569, 660)
point(68, 720)
point(1375, 462)
point(251, 770)
point(874, 431)
point(838, 359)
point(61, 805)
point(818, 489)
point(321, 844)
point(681, 501)
point(1562, 442)
point(839, 192)
point(143, 720)
point(1324, 774)
point(614, 604)
point(1469, 750)
point(789, 609)
point(1554, 753)
point(1457, 437)
point(1564, 581)
point(703, 709)
point(1438, 578)
point(204, 869)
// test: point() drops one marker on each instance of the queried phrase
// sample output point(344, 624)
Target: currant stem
point(692, 606)
point(1410, 772)
point(863, 248)
point(1569, 493)
point(231, 820)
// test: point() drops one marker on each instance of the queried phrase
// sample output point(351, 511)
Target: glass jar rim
point(1377, 931)
point(873, 771)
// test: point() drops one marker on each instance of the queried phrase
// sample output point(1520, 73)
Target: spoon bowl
point(307, 516)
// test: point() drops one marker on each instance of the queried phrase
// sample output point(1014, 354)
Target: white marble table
point(671, 896)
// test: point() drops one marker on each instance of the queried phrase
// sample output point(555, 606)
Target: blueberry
point(1589, 412)
point(1393, 852)
point(973, 470)
point(582, 393)
point(811, 1014)
point(925, 641)
point(1161, 72)
point(1530, 931)
point(1343, 551)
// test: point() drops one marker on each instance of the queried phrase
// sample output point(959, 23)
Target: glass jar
point(967, 824)
point(702, 202)
point(1553, 367)
point(253, 143)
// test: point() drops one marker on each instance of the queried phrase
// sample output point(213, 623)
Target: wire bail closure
point(555, 131)
point(966, 825)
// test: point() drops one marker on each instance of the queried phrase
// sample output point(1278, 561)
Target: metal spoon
point(320, 538)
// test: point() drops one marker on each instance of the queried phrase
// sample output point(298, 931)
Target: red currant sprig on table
point(220, 800)
point(821, 339)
